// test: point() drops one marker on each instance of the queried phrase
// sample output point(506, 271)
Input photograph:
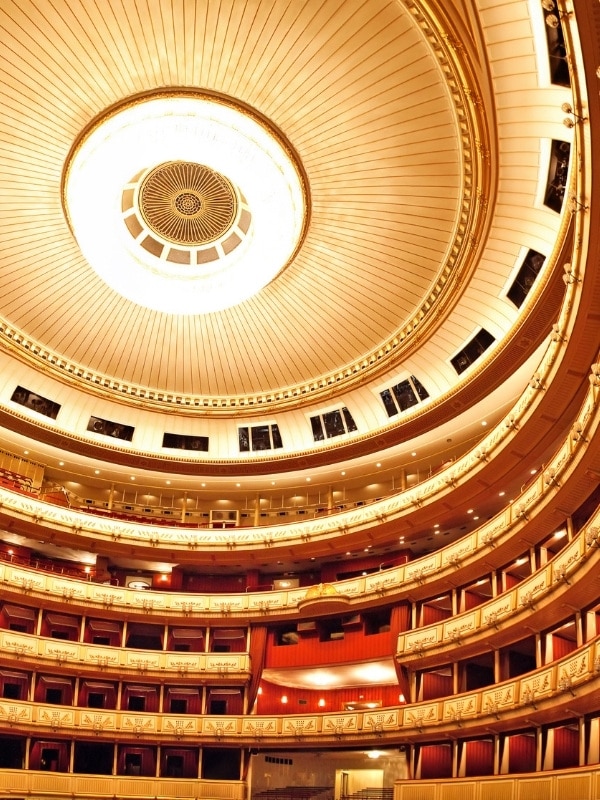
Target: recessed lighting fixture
point(96, 472)
point(26, 452)
point(437, 525)
point(520, 561)
point(469, 510)
point(501, 494)
point(308, 480)
point(132, 477)
point(348, 553)
point(61, 463)
point(343, 472)
point(560, 534)
point(272, 483)
point(168, 483)
point(483, 422)
point(238, 485)
point(378, 464)
point(413, 455)
point(250, 164)
point(476, 518)
point(533, 471)
point(203, 485)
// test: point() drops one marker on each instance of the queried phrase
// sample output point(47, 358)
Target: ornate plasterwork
point(476, 202)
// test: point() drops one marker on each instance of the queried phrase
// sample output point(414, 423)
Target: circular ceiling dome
point(188, 203)
point(216, 209)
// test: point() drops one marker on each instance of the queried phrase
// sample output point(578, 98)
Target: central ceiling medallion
point(198, 201)
point(187, 203)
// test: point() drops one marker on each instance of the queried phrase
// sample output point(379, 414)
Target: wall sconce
point(284, 698)
point(570, 276)
point(576, 205)
point(577, 433)
point(592, 537)
point(550, 479)
point(565, 684)
point(570, 122)
point(321, 702)
point(527, 698)
point(536, 381)
point(561, 575)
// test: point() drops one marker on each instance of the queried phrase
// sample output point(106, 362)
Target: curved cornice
point(522, 423)
point(493, 372)
point(479, 176)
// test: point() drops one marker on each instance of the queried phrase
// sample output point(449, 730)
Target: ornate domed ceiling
point(357, 91)
point(395, 248)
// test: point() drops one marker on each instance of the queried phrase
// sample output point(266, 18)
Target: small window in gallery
point(472, 351)
point(108, 428)
point(96, 700)
point(557, 52)
point(35, 402)
point(54, 696)
point(403, 395)
point(332, 423)
point(11, 691)
point(178, 705)
point(558, 172)
point(259, 437)
point(176, 441)
point(525, 277)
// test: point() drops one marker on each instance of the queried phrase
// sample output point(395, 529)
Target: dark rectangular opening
point(179, 705)
point(59, 635)
point(101, 640)
point(174, 767)
point(218, 706)
point(15, 626)
point(54, 696)
point(133, 764)
point(93, 758)
point(49, 759)
point(11, 691)
point(96, 700)
point(136, 702)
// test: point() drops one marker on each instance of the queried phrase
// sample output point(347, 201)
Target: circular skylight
point(185, 204)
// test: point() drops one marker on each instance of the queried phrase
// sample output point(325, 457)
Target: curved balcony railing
point(559, 582)
point(120, 533)
point(46, 785)
point(48, 653)
point(530, 512)
point(555, 691)
point(565, 784)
